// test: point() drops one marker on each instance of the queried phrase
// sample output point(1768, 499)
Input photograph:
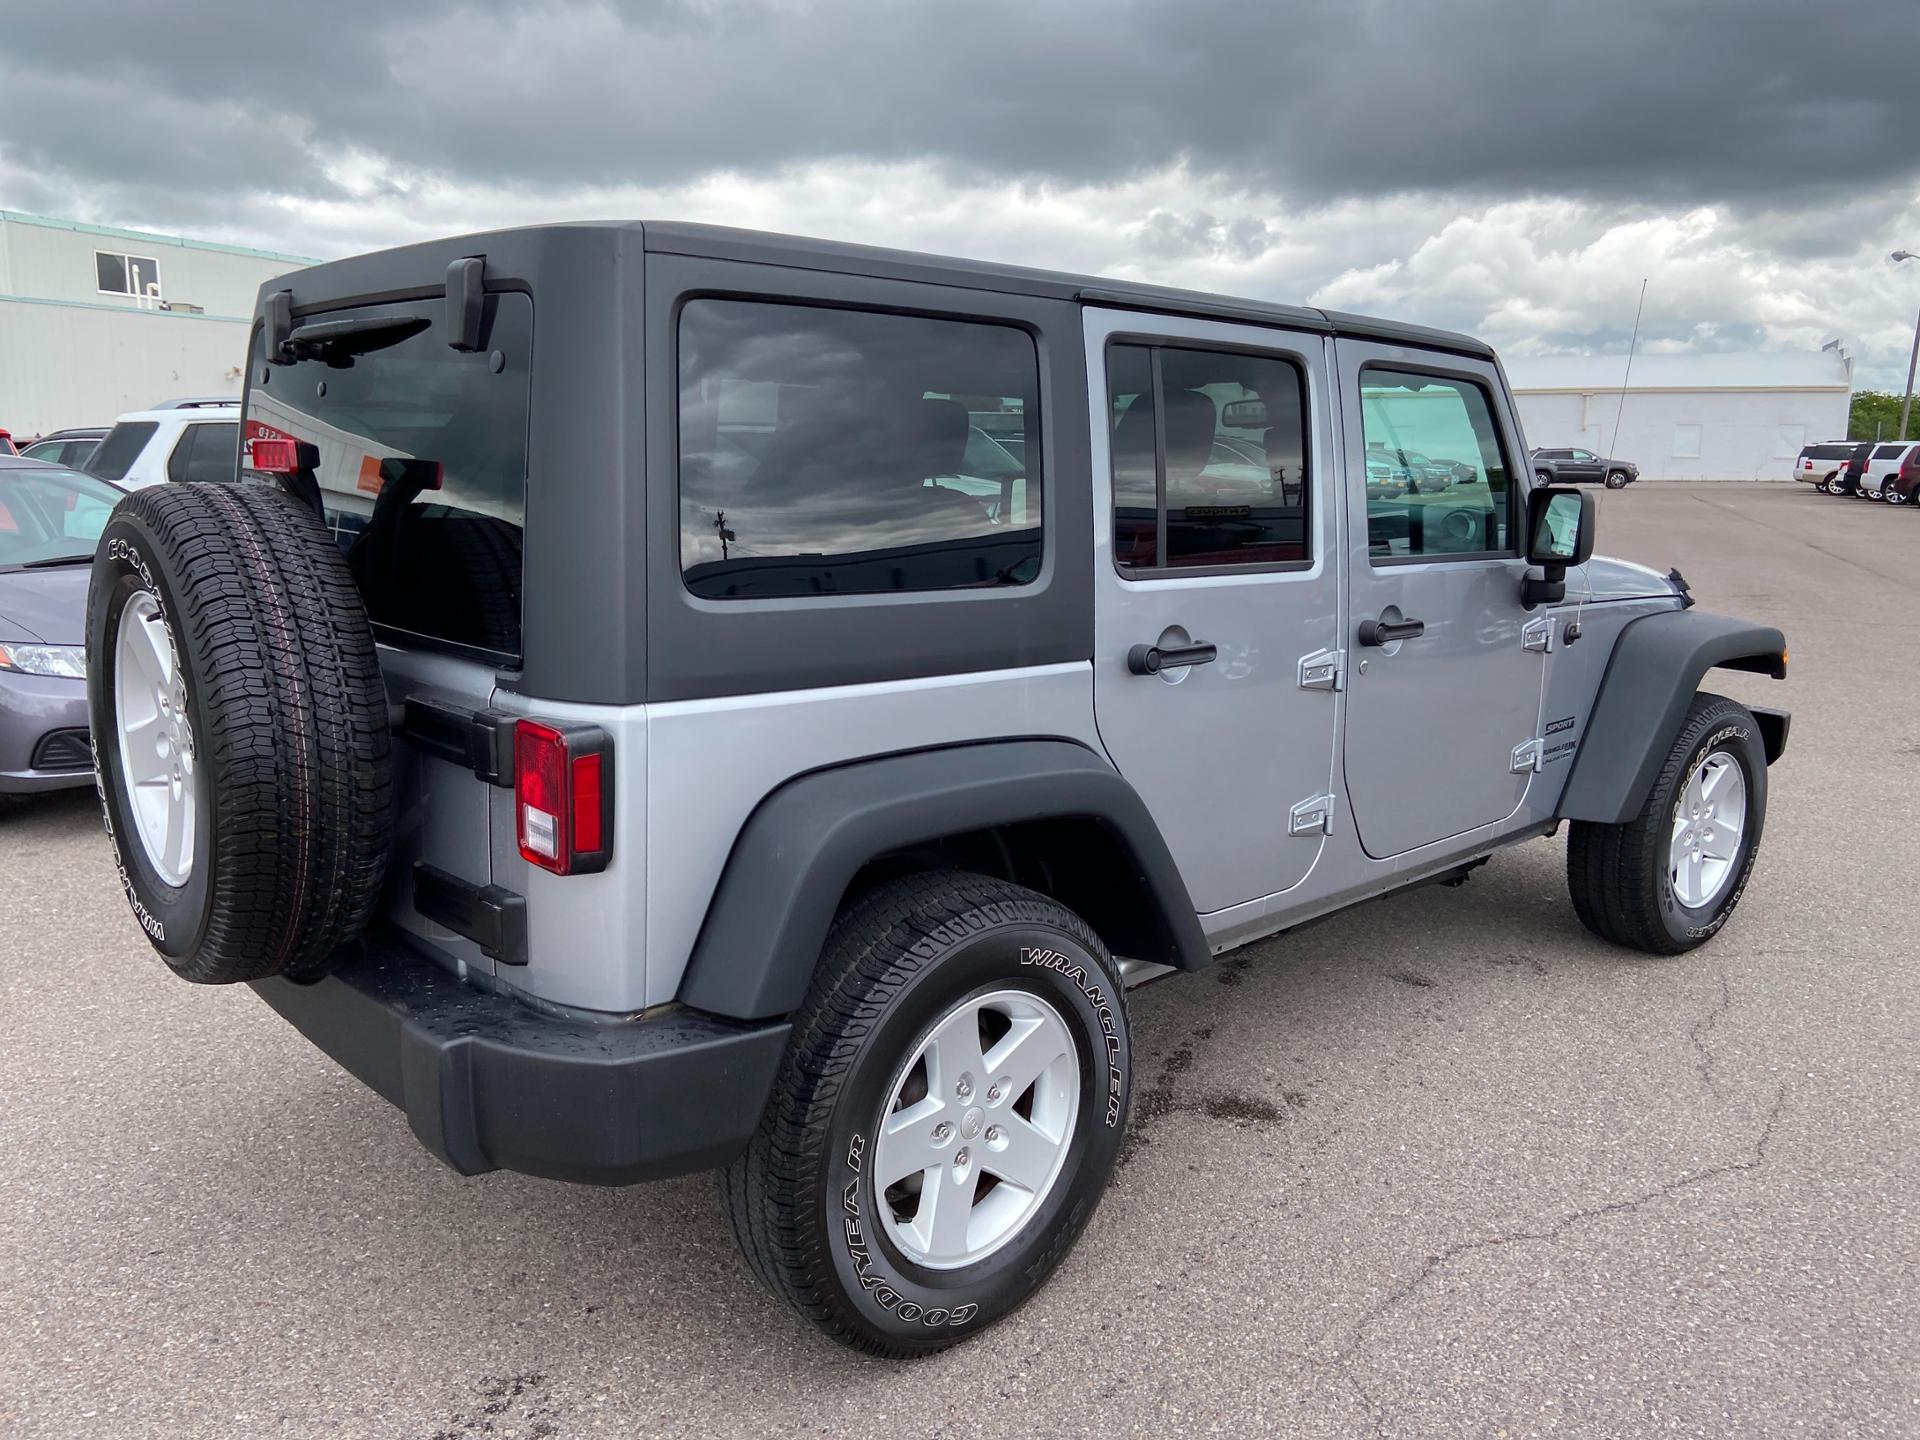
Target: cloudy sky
point(1511, 169)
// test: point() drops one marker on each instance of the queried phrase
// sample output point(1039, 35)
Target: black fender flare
point(806, 841)
point(1651, 678)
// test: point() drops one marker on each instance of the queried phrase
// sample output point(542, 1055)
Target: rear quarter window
point(422, 464)
point(844, 452)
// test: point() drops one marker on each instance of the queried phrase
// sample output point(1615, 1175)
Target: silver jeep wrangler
point(658, 698)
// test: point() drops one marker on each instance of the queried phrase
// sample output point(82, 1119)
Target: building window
point(1686, 442)
point(135, 275)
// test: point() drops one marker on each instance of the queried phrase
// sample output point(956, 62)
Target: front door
point(1446, 672)
point(1216, 591)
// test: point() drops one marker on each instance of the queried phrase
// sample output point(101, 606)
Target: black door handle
point(1372, 632)
point(1151, 659)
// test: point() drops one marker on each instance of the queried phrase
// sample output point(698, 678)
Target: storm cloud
point(1349, 147)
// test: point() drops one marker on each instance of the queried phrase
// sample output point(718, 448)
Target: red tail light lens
point(563, 796)
point(274, 457)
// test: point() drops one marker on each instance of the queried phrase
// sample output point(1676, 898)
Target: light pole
point(1906, 405)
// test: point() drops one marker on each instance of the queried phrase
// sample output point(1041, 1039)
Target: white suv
point(1887, 464)
point(194, 439)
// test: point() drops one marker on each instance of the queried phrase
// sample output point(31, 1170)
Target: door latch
point(1527, 756)
point(1323, 670)
point(1537, 634)
point(1311, 817)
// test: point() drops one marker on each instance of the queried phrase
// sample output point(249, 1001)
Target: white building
point(1694, 417)
point(95, 321)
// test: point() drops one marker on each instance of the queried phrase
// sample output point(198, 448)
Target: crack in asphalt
point(1703, 1027)
point(1752, 1161)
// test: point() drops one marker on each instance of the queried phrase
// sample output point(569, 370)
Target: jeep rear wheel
point(1669, 879)
point(240, 730)
point(949, 1113)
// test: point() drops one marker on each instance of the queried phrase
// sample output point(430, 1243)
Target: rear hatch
point(422, 470)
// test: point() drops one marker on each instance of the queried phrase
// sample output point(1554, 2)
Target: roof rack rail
point(196, 402)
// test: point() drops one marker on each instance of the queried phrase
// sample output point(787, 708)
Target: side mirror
point(1559, 533)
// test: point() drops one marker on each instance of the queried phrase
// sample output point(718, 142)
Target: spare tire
point(239, 730)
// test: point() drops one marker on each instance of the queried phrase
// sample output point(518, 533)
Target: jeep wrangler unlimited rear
point(659, 698)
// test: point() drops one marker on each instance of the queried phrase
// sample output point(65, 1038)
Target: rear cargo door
point(422, 468)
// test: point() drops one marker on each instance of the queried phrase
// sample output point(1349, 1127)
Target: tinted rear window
point(1890, 452)
point(843, 452)
point(120, 449)
point(441, 564)
point(1828, 452)
point(205, 452)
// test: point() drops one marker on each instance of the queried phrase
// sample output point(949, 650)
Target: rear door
point(435, 547)
point(1215, 591)
point(1443, 707)
point(1882, 467)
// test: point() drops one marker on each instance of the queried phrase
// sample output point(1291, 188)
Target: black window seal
point(1157, 343)
point(1450, 377)
point(1035, 436)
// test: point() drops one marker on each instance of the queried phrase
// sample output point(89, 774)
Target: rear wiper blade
point(327, 339)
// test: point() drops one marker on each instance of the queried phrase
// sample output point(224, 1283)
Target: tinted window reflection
point(843, 452)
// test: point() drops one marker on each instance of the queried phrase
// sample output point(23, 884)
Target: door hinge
point(1537, 634)
point(1323, 670)
point(481, 740)
point(1526, 756)
point(1311, 817)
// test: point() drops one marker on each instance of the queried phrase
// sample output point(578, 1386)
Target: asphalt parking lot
point(1441, 1165)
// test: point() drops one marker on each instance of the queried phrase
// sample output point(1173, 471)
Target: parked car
point(1884, 466)
point(620, 810)
point(7, 447)
point(71, 448)
point(1852, 474)
point(1574, 466)
point(1819, 465)
point(50, 519)
point(1906, 480)
point(181, 440)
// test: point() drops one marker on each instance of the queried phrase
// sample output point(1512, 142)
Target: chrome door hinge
point(1323, 670)
point(1537, 634)
point(1527, 756)
point(1311, 817)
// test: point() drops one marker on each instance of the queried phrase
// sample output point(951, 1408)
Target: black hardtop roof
point(399, 271)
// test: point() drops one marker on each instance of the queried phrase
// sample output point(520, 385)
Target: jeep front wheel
point(1668, 879)
point(951, 1106)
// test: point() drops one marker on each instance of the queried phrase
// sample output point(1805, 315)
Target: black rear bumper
point(487, 1083)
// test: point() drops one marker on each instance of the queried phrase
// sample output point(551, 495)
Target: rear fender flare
point(805, 843)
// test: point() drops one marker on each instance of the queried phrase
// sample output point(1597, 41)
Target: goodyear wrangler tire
point(239, 729)
point(949, 1113)
point(1669, 879)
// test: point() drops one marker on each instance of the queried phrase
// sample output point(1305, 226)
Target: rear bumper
point(487, 1083)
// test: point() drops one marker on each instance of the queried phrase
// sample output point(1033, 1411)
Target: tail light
point(273, 457)
point(563, 796)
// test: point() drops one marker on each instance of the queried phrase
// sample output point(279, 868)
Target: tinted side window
point(846, 452)
point(1209, 458)
point(1450, 421)
point(120, 449)
point(207, 451)
point(1889, 452)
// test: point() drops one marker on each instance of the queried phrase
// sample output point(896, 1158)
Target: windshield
point(51, 516)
